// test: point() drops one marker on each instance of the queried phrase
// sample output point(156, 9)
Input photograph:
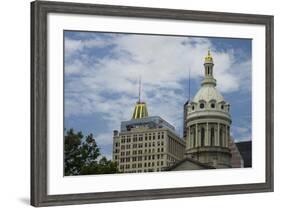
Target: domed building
point(207, 128)
point(208, 123)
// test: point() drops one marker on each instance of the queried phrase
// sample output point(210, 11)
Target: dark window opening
point(194, 139)
point(212, 136)
point(202, 136)
point(221, 136)
point(202, 105)
point(212, 105)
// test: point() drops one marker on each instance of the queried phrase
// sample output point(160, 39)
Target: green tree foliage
point(81, 156)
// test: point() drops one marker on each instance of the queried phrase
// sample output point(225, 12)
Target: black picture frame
point(39, 98)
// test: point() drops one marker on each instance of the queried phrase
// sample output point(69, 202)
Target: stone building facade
point(208, 123)
point(146, 144)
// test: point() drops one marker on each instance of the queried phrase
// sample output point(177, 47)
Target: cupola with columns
point(208, 122)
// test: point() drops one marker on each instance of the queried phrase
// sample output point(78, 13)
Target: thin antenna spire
point(139, 89)
point(188, 84)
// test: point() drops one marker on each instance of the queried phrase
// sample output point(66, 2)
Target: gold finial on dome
point(209, 57)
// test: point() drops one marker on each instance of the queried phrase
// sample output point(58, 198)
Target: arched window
point(222, 107)
point(191, 138)
point(194, 138)
point(221, 136)
point(213, 105)
point(212, 136)
point(192, 107)
point(202, 137)
point(202, 105)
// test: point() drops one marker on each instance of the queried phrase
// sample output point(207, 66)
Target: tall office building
point(146, 143)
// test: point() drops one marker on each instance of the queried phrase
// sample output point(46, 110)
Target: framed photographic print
point(131, 103)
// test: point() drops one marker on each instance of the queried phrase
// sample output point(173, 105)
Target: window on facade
point(222, 107)
point(213, 105)
point(194, 139)
point(202, 105)
point(212, 136)
point(192, 107)
point(202, 137)
point(221, 136)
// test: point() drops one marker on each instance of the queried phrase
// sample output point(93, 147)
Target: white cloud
point(72, 46)
point(242, 133)
point(109, 85)
point(104, 138)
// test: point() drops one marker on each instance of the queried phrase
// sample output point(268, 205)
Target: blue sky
point(102, 70)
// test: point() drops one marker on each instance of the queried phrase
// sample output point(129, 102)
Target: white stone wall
point(147, 150)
